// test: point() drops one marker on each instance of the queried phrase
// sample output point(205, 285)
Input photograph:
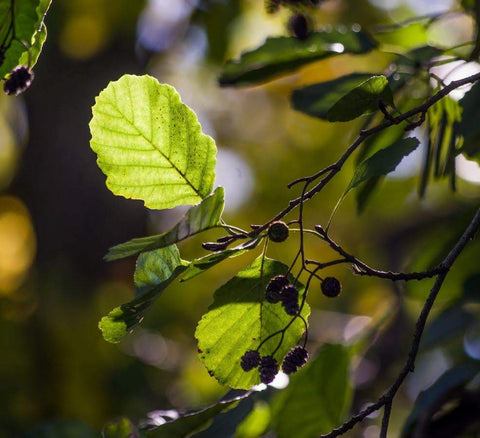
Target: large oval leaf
point(239, 319)
point(383, 162)
point(150, 145)
point(364, 98)
point(282, 54)
point(317, 99)
point(29, 28)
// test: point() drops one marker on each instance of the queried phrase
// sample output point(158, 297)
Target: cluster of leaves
point(151, 147)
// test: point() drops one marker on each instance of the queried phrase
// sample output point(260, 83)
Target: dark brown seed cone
point(250, 360)
point(274, 287)
point(268, 369)
point(19, 80)
point(331, 287)
point(298, 26)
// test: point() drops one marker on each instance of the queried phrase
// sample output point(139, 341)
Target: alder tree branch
point(361, 268)
point(319, 180)
point(386, 399)
point(330, 171)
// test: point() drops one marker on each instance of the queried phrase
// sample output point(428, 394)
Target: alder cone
point(19, 80)
point(278, 231)
point(298, 26)
point(331, 287)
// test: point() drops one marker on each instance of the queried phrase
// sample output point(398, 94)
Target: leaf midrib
point(149, 141)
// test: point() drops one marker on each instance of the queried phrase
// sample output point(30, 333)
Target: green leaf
point(451, 323)
point(469, 127)
point(364, 98)
point(187, 424)
point(256, 423)
point(225, 424)
point(432, 399)
point(239, 319)
point(154, 272)
point(383, 162)
point(122, 428)
point(318, 397)
point(199, 218)
point(351, 96)
point(209, 261)
point(29, 28)
point(150, 144)
point(371, 145)
point(282, 54)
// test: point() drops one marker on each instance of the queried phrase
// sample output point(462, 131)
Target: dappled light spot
point(83, 36)
point(17, 244)
point(467, 169)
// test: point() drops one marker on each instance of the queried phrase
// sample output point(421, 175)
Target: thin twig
point(361, 268)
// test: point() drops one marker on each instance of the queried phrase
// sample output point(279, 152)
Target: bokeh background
point(57, 218)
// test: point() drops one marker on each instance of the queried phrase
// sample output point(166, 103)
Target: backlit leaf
point(155, 271)
point(239, 319)
point(29, 28)
point(150, 144)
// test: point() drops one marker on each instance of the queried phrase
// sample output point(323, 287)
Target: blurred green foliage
point(57, 219)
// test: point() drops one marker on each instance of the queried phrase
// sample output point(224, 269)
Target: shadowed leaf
point(432, 399)
point(362, 99)
point(179, 425)
point(383, 162)
point(344, 98)
point(318, 397)
point(283, 54)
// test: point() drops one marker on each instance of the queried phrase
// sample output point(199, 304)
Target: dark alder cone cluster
point(279, 289)
point(250, 360)
point(278, 231)
point(19, 80)
point(267, 365)
point(274, 288)
point(289, 296)
point(331, 287)
point(295, 359)
point(268, 369)
point(298, 26)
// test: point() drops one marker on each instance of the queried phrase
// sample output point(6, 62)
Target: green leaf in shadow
point(282, 54)
point(343, 98)
point(318, 397)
